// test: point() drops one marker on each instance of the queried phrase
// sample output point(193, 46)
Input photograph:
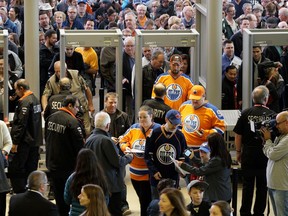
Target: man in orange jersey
point(200, 118)
point(178, 85)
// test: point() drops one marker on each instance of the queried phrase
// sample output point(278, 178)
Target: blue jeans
point(279, 200)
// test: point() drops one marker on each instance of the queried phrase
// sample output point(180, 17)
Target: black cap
point(267, 64)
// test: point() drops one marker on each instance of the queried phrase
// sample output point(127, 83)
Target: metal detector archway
point(94, 38)
point(164, 38)
point(257, 37)
point(4, 45)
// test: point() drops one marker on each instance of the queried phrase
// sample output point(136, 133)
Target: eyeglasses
point(278, 123)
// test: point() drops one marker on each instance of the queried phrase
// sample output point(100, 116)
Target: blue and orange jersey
point(135, 138)
point(177, 90)
point(197, 124)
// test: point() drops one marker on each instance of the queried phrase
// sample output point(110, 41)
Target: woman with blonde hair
point(188, 18)
point(163, 20)
point(92, 197)
point(178, 7)
point(173, 20)
point(59, 18)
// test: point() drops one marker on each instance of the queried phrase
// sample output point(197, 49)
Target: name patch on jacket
point(37, 108)
point(56, 127)
point(158, 113)
point(56, 105)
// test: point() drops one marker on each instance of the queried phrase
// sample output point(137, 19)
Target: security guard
point(64, 139)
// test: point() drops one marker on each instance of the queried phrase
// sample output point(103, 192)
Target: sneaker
point(126, 211)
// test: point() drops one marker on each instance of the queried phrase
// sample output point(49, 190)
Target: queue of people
point(136, 143)
point(69, 129)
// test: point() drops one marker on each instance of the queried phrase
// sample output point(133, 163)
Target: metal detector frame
point(257, 37)
point(164, 38)
point(94, 38)
point(4, 44)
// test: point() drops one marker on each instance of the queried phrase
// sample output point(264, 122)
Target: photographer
point(248, 143)
point(270, 77)
point(277, 168)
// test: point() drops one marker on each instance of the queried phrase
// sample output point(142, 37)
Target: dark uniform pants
point(249, 178)
point(21, 164)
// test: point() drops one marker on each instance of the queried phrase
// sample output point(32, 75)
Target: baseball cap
point(174, 117)
point(82, 1)
point(176, 59)
point(196, 183)
point(204, 147)
point(267, 64)
point(197, 92)
point(272, 22)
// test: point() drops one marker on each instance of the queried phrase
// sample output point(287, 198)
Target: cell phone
point(187, 153)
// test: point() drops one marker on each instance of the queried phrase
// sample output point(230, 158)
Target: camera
point(269, 122)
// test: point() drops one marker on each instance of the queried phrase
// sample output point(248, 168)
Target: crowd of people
point(177, 127)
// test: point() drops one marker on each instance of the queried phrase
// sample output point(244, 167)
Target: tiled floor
point(132, 198)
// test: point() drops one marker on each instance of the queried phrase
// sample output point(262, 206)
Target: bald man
point(277, 168)
point(79, 88)
point(56, 101)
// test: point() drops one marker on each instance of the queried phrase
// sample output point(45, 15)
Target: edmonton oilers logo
point(174, 92)
point(191, 123)
point(139, 145)
point(164, 152)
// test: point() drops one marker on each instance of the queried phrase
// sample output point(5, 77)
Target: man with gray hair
point(151, 72)
point(128, 63)
point(33, 202)
point(130, 22)
point(109, 159)
point(283, 14)
point(72, 22)
point(249, 152)
point(141, 10)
